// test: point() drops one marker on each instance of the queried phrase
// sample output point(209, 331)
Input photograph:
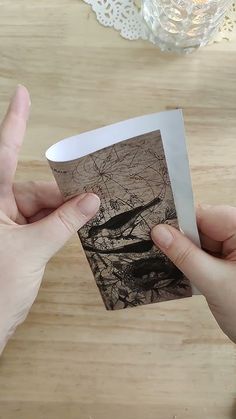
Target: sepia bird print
point(121, 222)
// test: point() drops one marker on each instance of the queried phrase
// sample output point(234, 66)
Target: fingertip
point(217, 222)
point(23, 89)
point(20, 102)
point(201, 207)
point(89, 204)
point(162, 236)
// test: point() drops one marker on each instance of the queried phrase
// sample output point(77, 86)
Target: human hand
point(34, 222)
point(213, 269)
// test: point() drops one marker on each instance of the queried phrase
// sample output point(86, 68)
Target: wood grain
point(72, 359)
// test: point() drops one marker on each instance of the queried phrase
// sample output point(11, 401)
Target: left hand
point(34, 222)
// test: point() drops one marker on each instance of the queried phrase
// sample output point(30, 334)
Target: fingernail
point(162, 236)
point(20, 102)
point(89, 204)
point(204, 206)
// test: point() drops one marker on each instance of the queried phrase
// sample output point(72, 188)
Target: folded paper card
point(139, 168)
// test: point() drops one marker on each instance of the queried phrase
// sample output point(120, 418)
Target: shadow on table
point(233, 411)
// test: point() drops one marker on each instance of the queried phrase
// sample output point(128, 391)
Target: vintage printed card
point(139, 168)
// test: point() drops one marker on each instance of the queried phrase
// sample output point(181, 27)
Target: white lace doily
point(124, 16)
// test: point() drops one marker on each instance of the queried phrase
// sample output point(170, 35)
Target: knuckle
point(183, 256)
point(66, 221)
point(32, 185)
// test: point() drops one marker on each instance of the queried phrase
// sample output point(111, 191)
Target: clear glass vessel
point(182, 26)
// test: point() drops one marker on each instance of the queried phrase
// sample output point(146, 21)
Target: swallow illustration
point(138, 247)
point(121, 222)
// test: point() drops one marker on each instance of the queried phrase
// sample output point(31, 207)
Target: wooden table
point(72, 359)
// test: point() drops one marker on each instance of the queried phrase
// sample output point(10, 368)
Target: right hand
point(213, 269)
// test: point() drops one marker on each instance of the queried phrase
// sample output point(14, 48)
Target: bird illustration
point(138, 247)
point(121, 222)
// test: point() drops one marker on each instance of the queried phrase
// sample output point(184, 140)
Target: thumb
point(53, 231)
point(203, 270)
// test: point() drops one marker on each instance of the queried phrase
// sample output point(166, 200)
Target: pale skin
point(35, 224)
point(212, 270)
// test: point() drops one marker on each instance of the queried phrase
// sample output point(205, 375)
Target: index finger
point(12, 131)
point(217, 222)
